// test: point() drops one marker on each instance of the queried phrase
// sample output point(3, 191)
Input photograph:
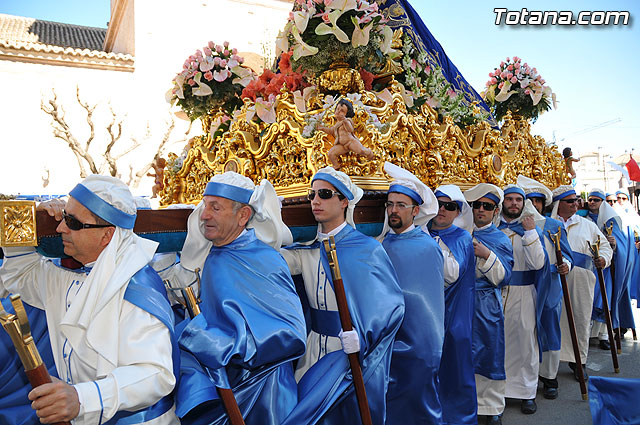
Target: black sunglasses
point(322, 193)
point(610, 201)
point(569, 201)
point(595, 200)
point(449, 206)
point(75, 224)
point(488, 206)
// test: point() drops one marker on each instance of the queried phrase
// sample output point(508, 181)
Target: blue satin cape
point(488, 321)
point(15, 407)
point(412, 397)
point(325, 392)
point(552, 308)
point(457, 382)
point(614, 401)
point(250, 329)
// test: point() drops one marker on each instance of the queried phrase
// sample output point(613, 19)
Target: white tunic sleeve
point(451, 267)
point(292, 257)
point(143, 376)
point(27, 273)
point(533, 252)
point(491, 268)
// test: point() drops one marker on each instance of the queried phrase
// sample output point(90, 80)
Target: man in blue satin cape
point(325, 387)
point(413, 397)
point(549, 332)
point(617, 283)
point(450, 228)
point(521, 310)
point(110, 323)
point(251, 327)
point(494, 261)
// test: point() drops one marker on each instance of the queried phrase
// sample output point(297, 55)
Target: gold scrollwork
point(18, 223)
point(432, 147)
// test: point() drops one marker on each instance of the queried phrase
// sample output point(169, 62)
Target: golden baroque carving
point(436, 150)
point(18, 223)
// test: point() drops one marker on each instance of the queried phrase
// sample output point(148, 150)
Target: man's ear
point(244, 214)
point(415, 210)
point(107, 236)
point(344, 203)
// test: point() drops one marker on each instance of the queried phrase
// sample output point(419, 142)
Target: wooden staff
point(345, 323)
point(226, 395)
point(612, 270)
point(595, 252)
point(18, 328)
point(555, 237)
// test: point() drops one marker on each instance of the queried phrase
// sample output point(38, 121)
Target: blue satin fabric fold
point(583, 261)
point(250, 329)
point(401, 15)
point(552, 307)
point(617, 290)
point(412, 397)
point(457, 382)
point(15, 407)
point(614, 401)
point(146, 291)
point(325, 392)
point(488, 321)
point(632, 286)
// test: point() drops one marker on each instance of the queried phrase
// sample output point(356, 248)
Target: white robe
point(144, 373)
point(321, 296)
point(521, 343)
point(581, 284)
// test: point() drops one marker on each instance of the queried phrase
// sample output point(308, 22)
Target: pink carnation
point(226, 44)
point(208, 75)
point(500, 85)
point(514, 80)
point(510, 67)
point(218, 49)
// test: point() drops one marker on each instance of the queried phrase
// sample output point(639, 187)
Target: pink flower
point(510, 67)
point(223, 63)
point(427, 69)
point(509, 75)
point(517, 65)
point(208, 76)
point(291, 16)
point(527, 91)
point(514, 80)
point(542, 81)
point(500, 85)
point(503, 74)
point(508, 59)
point(516, 59)
point(234, 51)
point(501, 64)
point(328, 2)
point(217, 60)
point(414, 63)
point(207, 51)
point(534, 70)
point(191, 82)
point(491, 74)
point(451, 93)
point(226, 52)
point(211, 45)
point(226, 44)
point(325, 17)
point(218, 48)
point(493, 80)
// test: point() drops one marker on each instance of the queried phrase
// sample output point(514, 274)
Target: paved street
point(568, 408)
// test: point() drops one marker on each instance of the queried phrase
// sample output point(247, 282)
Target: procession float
point(407, 104)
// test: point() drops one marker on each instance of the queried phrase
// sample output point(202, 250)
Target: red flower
point(367, 78)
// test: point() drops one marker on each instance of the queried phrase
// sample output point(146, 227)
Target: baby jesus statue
point(344, 134)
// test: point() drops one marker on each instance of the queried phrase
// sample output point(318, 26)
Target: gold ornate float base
point(18, 223)
point(433, 148)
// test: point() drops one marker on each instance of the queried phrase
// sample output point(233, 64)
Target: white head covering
point(606, 211)
point(416, 189)
point(266, 221)
point(532, 187)
point(561, 192)
point(528, 209)
point(488, 190)
point(344, 185)
point(96, 308)
point(464, 219)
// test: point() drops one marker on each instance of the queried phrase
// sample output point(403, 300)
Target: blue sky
point(591, 69)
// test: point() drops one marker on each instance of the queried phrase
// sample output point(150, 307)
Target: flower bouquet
point(212, 78)
point(521, 90)
point(323, 32)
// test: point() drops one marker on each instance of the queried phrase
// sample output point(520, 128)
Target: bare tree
point(62, 130)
